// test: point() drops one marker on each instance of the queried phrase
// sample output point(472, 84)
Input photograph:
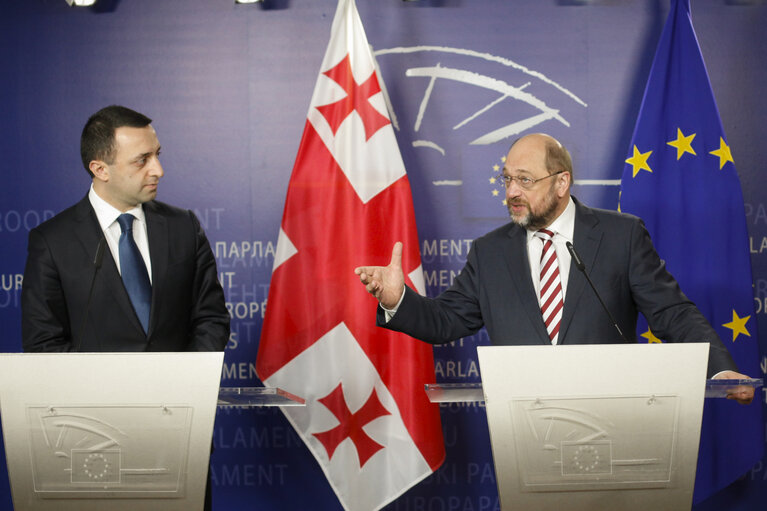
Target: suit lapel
point(586, 239)
point(88, 231)
point(518, 264)
point(157, 234)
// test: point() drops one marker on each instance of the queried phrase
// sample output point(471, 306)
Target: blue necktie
point(134, 274)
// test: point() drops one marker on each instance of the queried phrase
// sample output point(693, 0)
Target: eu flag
point(680, 178)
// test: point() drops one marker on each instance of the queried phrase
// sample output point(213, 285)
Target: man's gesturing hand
point(386, 283)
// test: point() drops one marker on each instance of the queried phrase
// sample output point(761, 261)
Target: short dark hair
point(98, 139)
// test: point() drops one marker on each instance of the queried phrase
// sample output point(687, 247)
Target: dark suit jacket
point(188, 311)
point(495, 290)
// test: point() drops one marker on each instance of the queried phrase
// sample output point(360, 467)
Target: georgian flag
point(367, 420)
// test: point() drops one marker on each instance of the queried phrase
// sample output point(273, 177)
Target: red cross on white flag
point(367, 420)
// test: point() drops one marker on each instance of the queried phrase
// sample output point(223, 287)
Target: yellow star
point(639, 161)
point(619, 200)
point(495, 193)
point(683, 144)
point(723, 153)
point(737, 325)
point(503, 159)
point(496, 167)
point(493, 180)
point(503, 202)
point(651, 339)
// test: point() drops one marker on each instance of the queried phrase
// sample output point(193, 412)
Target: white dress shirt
point(107, 217)
point(563, 228)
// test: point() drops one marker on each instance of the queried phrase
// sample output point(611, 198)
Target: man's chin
point(520, 220)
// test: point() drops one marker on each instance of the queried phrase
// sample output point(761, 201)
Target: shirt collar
point(564, 225)
point(107, 214)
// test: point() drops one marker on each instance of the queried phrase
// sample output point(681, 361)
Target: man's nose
point(156, 169)
point(513, 190)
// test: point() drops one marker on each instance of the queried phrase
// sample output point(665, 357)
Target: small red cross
point(357, 97)
point(351, 424)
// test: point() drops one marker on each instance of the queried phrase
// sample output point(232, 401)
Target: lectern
point(117, 431)
point(592, 426)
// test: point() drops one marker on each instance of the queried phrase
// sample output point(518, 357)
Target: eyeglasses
point(524, 182)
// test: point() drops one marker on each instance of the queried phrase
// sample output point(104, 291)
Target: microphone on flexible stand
point(96, 266)
point(582, 268)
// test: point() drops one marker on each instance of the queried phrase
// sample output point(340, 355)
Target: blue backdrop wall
point(228, 87)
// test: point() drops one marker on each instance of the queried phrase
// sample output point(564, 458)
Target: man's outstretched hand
point(386, 283)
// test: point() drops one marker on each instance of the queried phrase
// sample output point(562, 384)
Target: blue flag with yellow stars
point(680, 178)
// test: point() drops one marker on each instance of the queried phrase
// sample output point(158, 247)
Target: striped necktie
point(551, 298)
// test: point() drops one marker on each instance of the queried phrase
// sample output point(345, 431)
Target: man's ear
point(99, 169)
point(564, 182)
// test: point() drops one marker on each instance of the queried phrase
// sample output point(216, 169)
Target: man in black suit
point(153, 286)
point(504, 286)
point(187, 312)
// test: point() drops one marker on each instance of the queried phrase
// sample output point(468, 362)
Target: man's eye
point(525, 180)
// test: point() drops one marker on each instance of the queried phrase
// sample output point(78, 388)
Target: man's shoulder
point(64, 220)
point(605, 216)
point(501, 236)
point(167, 210)
point(173, 215)
point(179, 221)
point(504, 231)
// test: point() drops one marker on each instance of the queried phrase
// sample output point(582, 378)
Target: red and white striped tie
point(551, 298)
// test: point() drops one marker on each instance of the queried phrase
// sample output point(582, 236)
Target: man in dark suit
point(519, 284)
point(119, 271)
point(187, 312)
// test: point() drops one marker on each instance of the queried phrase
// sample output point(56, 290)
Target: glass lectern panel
point(721, 388)
point(247, 397)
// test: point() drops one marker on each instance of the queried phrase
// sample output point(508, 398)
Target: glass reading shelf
point(471, 392)
point(721, 388)
point(244, 397)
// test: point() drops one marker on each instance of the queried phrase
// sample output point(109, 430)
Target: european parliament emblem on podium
point(126, 450)
point(595, 443)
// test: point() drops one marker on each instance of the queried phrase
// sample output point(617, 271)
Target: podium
point(117, 431)
point(593, 426)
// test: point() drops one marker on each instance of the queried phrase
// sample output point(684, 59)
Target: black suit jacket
point(495, 289)
point(188, 311)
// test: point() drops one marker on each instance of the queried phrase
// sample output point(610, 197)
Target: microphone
point(96, 265)
point(582, 268)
